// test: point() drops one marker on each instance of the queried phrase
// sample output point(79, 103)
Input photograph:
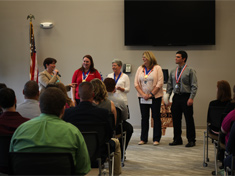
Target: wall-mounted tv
point(169, 22)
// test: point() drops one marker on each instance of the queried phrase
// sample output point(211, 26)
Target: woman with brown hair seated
point(69, 102)
point(223, 98)
point(101, 97)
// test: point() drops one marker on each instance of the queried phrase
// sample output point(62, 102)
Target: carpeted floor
point(167, 160)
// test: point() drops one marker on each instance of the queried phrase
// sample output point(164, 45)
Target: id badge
point(177, 88)
point(143, 101)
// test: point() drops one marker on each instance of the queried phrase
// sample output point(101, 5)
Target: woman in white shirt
point(122, 81)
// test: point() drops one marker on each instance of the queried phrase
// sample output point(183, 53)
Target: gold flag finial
point(30, 17)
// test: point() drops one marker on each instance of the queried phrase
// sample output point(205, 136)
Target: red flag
point(33, 59)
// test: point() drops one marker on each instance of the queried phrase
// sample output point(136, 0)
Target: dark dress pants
point(178, 107)
point(157, 129)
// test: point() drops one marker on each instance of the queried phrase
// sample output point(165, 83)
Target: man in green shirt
point(49, 133)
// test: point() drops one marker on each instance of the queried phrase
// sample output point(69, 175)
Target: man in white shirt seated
point(119, 103)
point(30, 107)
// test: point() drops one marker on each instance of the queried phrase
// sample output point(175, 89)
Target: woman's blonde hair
point(62, 87)
point(99, 90)
point(151, 58)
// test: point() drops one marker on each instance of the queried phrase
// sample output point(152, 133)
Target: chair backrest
point(119, 125)
point(223, 115)
point(4, 149)
point(215, 116)
point(111, 120)
point(92, 143)
point(100, 128)
point(38, 163)
point(119, 116)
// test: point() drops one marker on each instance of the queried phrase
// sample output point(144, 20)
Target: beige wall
point(97, 28)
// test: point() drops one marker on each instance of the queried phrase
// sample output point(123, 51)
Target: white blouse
point(123, 82)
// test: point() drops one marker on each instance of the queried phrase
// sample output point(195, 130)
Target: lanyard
point(85, 76)
point(116, 80)
point(147, 73)
point(176, 73)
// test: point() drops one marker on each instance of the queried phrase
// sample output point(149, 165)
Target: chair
point(221, 141)
point(4, 149)
point(38, 163)
point(122, 135)
point(111, 120)
point(104, 138)
point(231, 171)
point(224, 114)
point(213, 121)
point(92, 143)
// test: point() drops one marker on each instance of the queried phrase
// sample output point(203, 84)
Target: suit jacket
point(86, 112)
point(45, 78)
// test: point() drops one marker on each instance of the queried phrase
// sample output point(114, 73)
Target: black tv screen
point(169, 22)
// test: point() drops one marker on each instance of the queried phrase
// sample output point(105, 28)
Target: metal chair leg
point(204, 149)
point(216, 167)
point(124, 148)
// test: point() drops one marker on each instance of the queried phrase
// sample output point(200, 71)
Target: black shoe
point(190, 144)
point(176, 143)
point(221, 167)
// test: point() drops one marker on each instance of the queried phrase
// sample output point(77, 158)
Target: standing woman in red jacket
point(86, 72)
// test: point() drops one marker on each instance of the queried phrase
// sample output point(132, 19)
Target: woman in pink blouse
point(148, 83)
point(86, 72)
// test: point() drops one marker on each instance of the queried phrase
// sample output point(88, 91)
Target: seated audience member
point(229, 118)
point(10, 119)
point(230, 148)
point(226, 124)
point(231, 105)
point(100, 98)
point(30, 107)
point(2, 85)
point(119, 103)
point(86, 112)
point(223, 97)
point(69, 102)
point(62, 87)
point(49, 133)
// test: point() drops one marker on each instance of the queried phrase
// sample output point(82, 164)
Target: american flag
point(33, 57)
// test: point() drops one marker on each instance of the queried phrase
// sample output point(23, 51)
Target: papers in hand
point(143, 101)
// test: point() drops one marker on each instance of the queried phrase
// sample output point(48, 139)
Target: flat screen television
point(169, 22)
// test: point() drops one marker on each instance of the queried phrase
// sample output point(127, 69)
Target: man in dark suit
point(86, 112)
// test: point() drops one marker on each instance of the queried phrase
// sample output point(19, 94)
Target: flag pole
point(30, 16)
point(33, 58)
